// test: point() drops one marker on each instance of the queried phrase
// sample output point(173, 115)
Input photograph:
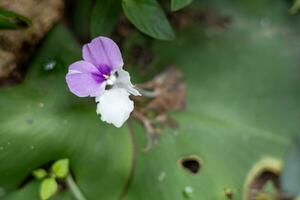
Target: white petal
point(123, 81)
point(114, 106)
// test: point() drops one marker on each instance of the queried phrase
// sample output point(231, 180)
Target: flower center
point(110, 80)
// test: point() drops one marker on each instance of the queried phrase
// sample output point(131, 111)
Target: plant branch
point(74, 188)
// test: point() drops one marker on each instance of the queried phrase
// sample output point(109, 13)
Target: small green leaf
point(148, 17)
point(290, 179)
point(179, 4)
point(104, 17)
point(61, 168)
point(48, 188)
point(39, 173)
point(12, 20)
point(295, 8)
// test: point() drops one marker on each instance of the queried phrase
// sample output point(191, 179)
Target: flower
point(100, 75)
point(119, 112)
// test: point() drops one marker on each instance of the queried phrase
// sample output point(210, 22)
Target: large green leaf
point(179, 4)
point(104, 17)
point(242, 109)
point(41, 122)
point(148, 17)
point(295, 8)
point(31, 191)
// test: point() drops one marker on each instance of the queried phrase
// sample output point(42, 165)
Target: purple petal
point(103, 51)
point(82, 67)
point(84, 81)
point(104, 69)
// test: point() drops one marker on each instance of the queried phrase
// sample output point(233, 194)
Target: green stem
point(74, 188)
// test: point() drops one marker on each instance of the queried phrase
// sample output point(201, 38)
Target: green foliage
point(12, 20)
point(48, 188)
point(242, 105)
point(290, 180)
point(81, 18)
point(52, 124)
point(148, 17)
point(179, 4)
point(104, 17)
point(94, 18)
point(295, 8)
point(60, 168)
point(39, 173)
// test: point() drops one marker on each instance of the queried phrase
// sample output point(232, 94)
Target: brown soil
point(16, 46)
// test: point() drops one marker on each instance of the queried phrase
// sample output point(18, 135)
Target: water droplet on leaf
point(162, 176)
point(188, 191)
point(49, 65)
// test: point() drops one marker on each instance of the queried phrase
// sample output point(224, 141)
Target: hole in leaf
point(262, 180)
point(228, 193)
point(191, 164)
point(265, 184)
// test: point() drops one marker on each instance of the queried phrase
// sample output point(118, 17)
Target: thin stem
point(147, 93)
point(74, 188)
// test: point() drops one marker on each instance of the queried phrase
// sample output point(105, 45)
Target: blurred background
point(224, 124)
